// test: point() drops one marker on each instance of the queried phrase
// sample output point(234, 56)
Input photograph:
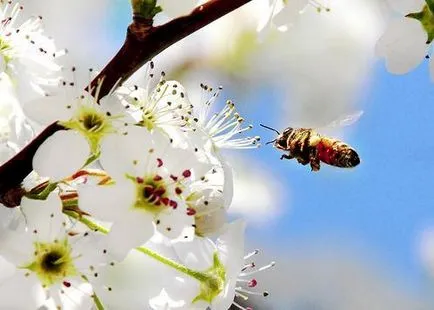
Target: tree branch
point(143, 41)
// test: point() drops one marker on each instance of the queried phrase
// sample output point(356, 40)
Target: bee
point(309, 147)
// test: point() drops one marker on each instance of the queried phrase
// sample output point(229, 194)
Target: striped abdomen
point(337, 153)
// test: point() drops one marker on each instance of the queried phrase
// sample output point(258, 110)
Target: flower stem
point(198, 275)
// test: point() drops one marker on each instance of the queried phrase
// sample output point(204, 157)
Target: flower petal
point(172, 222)
point(47, 110)
point(44, 218)
point(231, 247)
point(130, 231)
point(407, 6)
point(31, 294)
point(61, 155)
point(403, 45)
point(132, 282)
point(108, 202)
point(127, 154)
point(197, 254)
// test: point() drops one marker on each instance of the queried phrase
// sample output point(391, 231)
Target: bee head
point(282, 140)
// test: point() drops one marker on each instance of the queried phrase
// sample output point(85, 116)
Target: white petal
point(61, 155)
point(48, 110)
point(197, 254)
point(407, 6)
point(132, 230)
point(77, 296)
point(185, 160)
point(172, 222)
point(164, 302)
point(44, 218)
point(403, 45)
point(182, 291)
point(211, 223)
point(128, 154)
point(16, 248)
point(133, 282)
point(108, 202)
point(231, 247)
point(228, 188)
point(30, 293)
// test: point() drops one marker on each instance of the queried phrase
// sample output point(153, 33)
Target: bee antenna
point(275, 130)
point(269, 142)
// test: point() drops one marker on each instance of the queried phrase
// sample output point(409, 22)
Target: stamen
point(263, 268)
point(255, 252)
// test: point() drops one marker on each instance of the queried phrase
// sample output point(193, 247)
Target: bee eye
point(282, 142)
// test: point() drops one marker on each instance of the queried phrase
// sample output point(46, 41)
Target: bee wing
point(346, 120)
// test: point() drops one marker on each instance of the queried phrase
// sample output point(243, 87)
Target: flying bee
point(309, 147)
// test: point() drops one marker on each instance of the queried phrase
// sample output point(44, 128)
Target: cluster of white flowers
point(27, 64)
point(126, 207)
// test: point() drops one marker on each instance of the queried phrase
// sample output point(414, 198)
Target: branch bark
point(143, 41)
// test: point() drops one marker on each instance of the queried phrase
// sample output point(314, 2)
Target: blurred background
point(342, 239)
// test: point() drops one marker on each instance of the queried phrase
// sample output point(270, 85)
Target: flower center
point(91, 123)
point(52, 262)
point(152, 195)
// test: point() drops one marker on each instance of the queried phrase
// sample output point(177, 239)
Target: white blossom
point(153, 179)
point(87, 123)
point(50, 258)
point(407, 39)
point(166, 105)
point(222, 128)
point(27, 54)
point(229, 273)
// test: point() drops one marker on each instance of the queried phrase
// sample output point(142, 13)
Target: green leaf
point(146, 8)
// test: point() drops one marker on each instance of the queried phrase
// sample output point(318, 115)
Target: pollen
point(52, 262)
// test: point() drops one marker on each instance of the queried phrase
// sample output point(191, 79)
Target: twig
point(143, 41)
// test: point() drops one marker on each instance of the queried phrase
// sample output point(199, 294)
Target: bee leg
point(314, 160)
point(284, 156)
point(302, 161)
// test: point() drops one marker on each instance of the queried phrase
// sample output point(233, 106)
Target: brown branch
point(143, 41)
